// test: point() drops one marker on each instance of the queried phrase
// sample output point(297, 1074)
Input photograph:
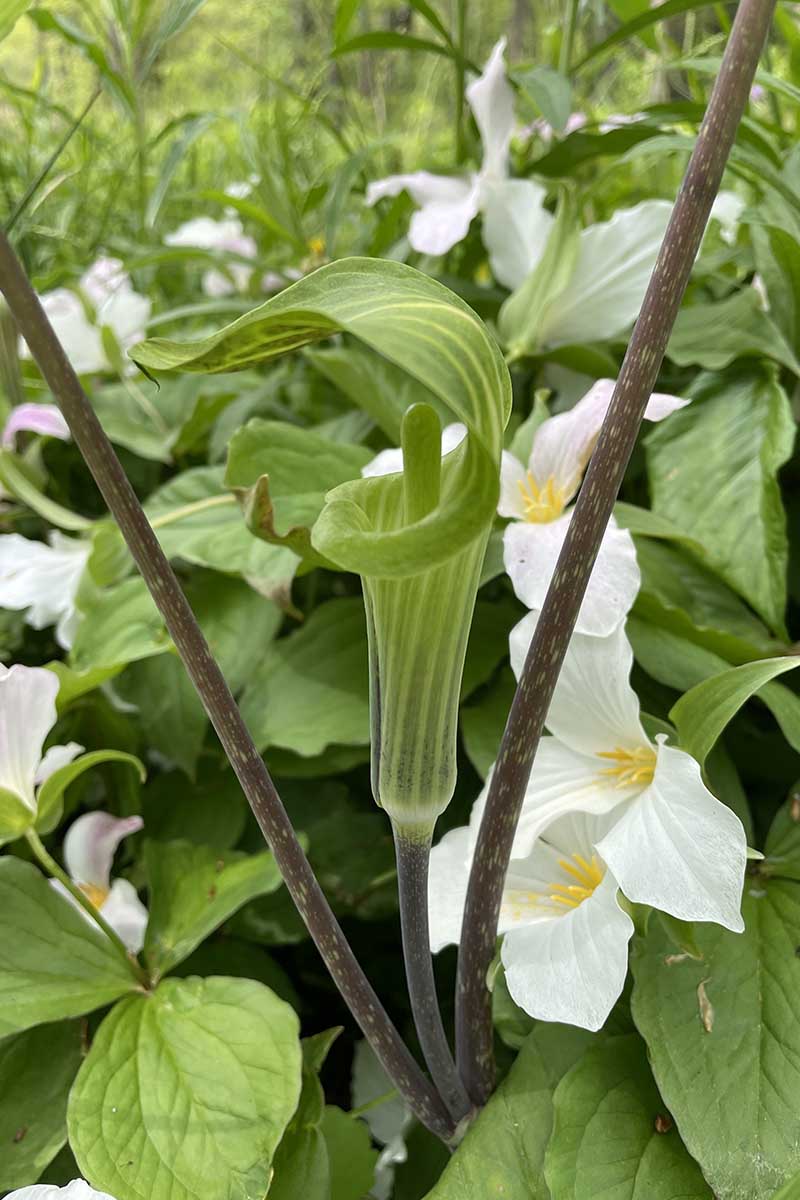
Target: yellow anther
point(95, 895)
point(541, 504)
point(632, 766)
point(317, 245)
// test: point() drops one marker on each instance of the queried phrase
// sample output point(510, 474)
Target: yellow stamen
point(541, 504)
point(95, 895)
point(633, 766)
point(588, 873)
point(317, 245)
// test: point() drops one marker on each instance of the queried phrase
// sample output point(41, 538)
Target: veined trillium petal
point(678, 848)
point(45, 419)
point(43, 579)
point(491, 99)
point(516, 226)
point(90, 845)
point(512, 484)
point(530, 554)
point(613, 267)
point(27, 714)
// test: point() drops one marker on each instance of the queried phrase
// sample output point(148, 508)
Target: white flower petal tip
point(390, 462)
point(44, 419)
point(571, 969)
point(491, 99)
point(126, 914)
point(727, 210)
point(27, 714)
point(78, 1189)
point(43, 580)
point(55, 758)
point(90, 845)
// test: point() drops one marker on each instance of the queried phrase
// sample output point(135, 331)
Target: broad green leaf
point(488, 641)
point(36, 1072)
point(606, 1140)
point(53, 962)
point(234, 619)
point(119, 625)
point(723, 1037)
point(550, 91)
point(373, 383)
point(72, 684)
point(777, 256)
point(186, 1092)
point(211, 811)
point(483, 722)
point(351, 1157)
point(302, 1169)
point(10, 12)
point(193, 890)
point(646, 523)
point(713, 472)
point(701, 715)
point(713, 335)
point(502, 1155)
point(52, 790)
point(170, 712)
point(199, 520)
point(310, 688)
point(652, 16)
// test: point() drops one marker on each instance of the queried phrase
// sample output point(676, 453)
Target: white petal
point(562, 781)
point(80, 339)
point(126, 914)
point(126, 313)
point(512, 478)
point(452, 436)
point(563, 444)
point(530, 554)
point(678, 848)
point(56, 758)
point(78, 1189)
point(571, 968)
point(388, 1121)
point(613, 267)
point(204, 233)
point(594, 708)
point(46, 419)
point(423, 188)
point(42, 579)
point(436, 228)
point(447, 887)
point(90, 844)
point(727, 209)
point(491, 99)
point(27, 714)
point(516, 226)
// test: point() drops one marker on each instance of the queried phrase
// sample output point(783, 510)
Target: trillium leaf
point(36, 1072)
point(351, 1157)
point(502, 1155)
point(702, 713)
point(53, 788)
point(187, 1092)
point(193, 890)
point(170, 712)
point(714, 335)
point(120, 625)
point(53, 963)
point(723, 1037)
point(713, 473)
point(606, 1137)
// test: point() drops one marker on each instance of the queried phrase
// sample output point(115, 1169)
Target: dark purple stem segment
point(636, 381)
point(217, 699)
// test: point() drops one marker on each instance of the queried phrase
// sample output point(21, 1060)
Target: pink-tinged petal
point(126, 914)
point(678, 848)
point(572, 968)
point(491, 99)
point(512, 481)
point(56, 758)
point(45, 419)
point(90, 844)
point(530, 554)
point(27, 714)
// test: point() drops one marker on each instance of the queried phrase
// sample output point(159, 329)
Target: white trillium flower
point(27, 714)
point(108, 289)
point(45, 419)
point(447, 204)
point(78, 1189)
point(390, 462)
point(44, 580)
point(727, 210)
point(537, 499)
point(605, 809)
point(89, 848)
point(228, 237)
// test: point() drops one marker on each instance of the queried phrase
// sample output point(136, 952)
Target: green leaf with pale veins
point(186, 1092)
point(713, 472)
point(606, 1138)
point(193, 890)
point(36, 1072)
point(53, 962)
point(713, 335)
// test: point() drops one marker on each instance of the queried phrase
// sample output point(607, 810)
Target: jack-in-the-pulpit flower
point(89, 848)
point(44, 580)
point(513, 209)
point(537, 498)
point(27, 714)
point(78, 1189)
point(390, 462)
point(105, 299)
point(45, 419)
point(606, 809)
point(226, 237)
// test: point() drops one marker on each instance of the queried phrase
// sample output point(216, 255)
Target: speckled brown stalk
point(217, 699)
point(546, 654)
